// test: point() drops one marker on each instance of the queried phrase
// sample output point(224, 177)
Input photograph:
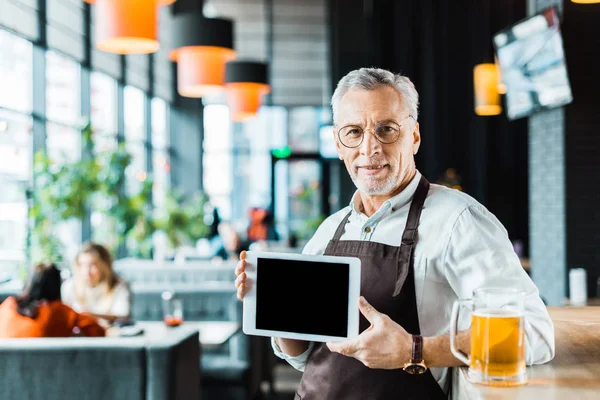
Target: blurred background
point(159, 162)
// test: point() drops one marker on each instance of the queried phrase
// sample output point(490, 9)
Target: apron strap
point(409, 235)
point(341, 227)
point(331, 247)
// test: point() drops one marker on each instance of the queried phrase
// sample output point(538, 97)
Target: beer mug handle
point(454, 330)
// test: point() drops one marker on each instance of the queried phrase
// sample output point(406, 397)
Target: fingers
point(241, 291)
point(241, 279)
point(241, 282)
point(244, 287)
point(240, 267)
point(368, 311)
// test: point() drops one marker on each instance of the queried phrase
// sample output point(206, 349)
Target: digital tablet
point(296, 296)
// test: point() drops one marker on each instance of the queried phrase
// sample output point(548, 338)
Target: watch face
point(415, 369)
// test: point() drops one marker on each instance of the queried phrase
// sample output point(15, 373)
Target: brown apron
point(388, 284)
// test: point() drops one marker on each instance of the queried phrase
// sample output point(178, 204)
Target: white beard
point(375, 186)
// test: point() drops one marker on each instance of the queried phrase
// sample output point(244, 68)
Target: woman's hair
point(106, 259)
point(43, 286)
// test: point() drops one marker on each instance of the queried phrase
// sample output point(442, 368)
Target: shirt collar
point(395, 203)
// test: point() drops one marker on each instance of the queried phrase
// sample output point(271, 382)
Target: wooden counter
point(573, 374)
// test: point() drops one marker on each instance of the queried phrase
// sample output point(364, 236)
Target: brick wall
point(547, 200)
point(547, 221)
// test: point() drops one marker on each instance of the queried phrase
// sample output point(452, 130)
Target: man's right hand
point(242, 284)
point(291, 347)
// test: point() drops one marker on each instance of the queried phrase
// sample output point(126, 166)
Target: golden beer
point(497, 342)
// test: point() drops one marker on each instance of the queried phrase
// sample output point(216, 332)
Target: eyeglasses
point(352, 136)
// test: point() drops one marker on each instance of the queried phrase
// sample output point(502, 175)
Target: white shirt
point(460, 246)
point(99, 299)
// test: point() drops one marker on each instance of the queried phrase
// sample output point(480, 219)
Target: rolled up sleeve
point(298, 362)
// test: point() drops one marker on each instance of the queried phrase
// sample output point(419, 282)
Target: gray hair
point(372, 78)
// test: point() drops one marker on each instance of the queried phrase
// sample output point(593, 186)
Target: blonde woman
point(95, 288)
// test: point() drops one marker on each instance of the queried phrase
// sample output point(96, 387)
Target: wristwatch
point(416, 365)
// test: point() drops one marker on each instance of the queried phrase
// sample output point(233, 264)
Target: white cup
point(578, 287)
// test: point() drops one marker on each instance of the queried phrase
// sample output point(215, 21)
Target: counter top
point(573, 374)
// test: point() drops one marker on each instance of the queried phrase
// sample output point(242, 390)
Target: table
point(573, 374)
point(212, 333)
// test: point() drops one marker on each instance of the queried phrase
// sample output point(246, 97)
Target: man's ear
point(416, 139)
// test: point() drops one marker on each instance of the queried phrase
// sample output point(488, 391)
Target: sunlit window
point(103, 98)
point(217, 158)
point(15, 171)
point(161, 166)
point(16, 73)
point(63, 132)
point(63, 108)
point(135, 140)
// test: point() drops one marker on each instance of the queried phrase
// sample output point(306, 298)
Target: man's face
point(377, 168)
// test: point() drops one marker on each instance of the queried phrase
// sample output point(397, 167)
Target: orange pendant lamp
point(201, 47)
point(487, 97)
point(245, 84)
point(127, 26)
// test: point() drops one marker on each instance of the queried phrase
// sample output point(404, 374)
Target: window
point(298, 182)
point(63, 131)
point(304, 129)
point(135, 137)
point(266, 132)
point(104, 111)
point(15, 171)
point(217, 161)
point(16, 72)
point(63, 108)
point(161, 166)
point(103, 97)
point(239, 156)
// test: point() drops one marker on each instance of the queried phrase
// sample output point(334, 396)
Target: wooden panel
point(300, 53)
point(65, 42)
point(21, 17)
point(66, 15)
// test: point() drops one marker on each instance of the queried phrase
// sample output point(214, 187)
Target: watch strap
point(417, 348)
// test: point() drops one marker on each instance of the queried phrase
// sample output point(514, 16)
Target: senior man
point(421, 247)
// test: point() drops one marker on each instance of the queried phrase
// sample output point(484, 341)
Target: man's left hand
point(383, 345)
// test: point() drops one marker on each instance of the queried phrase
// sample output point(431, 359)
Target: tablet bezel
point(249, 314)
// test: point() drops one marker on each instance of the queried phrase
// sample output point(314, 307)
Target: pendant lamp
point(201, 47)
point(127, 26)
point(487, 98)
point(245, 84)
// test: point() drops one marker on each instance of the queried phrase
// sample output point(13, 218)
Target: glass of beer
point(497, 337)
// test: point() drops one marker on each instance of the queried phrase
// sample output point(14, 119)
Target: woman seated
point(39, 311)
point(95, 288)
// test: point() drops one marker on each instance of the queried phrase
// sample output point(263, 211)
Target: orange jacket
point(54, 319)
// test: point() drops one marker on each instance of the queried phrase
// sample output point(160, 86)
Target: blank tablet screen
point(302, 297)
